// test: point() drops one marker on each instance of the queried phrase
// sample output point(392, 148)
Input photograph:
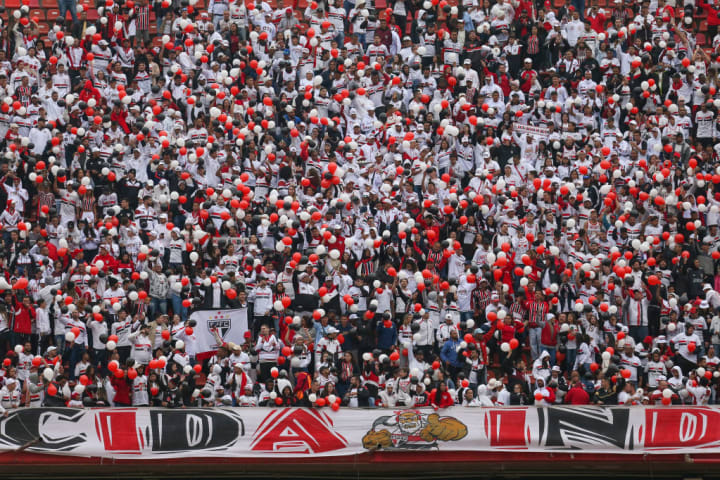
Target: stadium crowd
point(492, 203)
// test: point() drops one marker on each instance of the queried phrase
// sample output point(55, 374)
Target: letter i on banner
point(507, 427)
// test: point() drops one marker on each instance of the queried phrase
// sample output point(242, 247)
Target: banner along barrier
point(156, 433)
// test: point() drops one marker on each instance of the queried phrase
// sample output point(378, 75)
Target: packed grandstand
point(356, 204)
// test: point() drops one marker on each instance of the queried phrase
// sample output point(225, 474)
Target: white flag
point(213, 325)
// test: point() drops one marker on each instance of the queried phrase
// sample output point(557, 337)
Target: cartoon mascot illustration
point(413, 430)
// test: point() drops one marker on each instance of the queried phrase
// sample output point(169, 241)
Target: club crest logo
point(219, 323)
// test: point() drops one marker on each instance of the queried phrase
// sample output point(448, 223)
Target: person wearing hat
point(248, 398)
point(329, 345)
point(9, 220)
point(576, 394)
point(546, 395)
point(241, 385)
point(656, 369)
point(240, 353)
point(10, 396)
point(142, 347)
point(445, 330)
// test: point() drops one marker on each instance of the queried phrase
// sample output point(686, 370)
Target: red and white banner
point(541, 132)
point(213, 325)
point(154, 433)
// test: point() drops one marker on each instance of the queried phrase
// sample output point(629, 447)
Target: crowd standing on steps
point(418, 203)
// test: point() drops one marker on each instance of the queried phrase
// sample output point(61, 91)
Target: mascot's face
point(409, 421)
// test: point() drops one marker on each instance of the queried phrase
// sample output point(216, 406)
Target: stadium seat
point(52, 14)
point(700, 39)
point(12, 4)
point(703, 26)
point(39, 13)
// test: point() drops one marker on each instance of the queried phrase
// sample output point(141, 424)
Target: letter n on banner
point(506, 427)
